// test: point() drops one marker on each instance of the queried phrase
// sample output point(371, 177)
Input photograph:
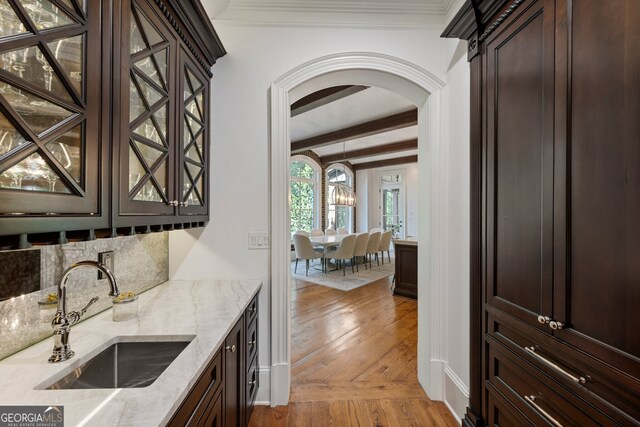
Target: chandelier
point(343, 195)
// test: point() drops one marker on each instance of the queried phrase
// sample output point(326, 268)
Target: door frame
point(424, 89)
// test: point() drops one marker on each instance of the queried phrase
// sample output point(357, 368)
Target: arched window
point(338, 216)
point(305, 194)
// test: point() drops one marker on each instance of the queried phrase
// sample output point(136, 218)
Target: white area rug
point(335, 279)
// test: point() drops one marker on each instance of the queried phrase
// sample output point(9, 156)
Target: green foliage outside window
point(302, 196)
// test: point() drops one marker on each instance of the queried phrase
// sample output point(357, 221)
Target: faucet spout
point(62, 320)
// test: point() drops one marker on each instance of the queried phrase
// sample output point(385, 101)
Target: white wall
point(456, 347)
point(240, 148)
point(368, 184)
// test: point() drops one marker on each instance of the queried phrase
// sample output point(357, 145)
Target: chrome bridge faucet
point(62, 321)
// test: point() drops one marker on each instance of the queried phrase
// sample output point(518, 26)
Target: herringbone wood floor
point(353, 362)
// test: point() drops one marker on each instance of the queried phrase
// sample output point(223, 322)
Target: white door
point(392, 209)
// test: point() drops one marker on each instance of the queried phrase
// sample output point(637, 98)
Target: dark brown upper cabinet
point(104, 115)
point(164, 123)
point(194, 131)
point(53, 138)
point(147, 184)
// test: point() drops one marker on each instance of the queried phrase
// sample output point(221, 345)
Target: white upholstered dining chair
point(372, 246)
point(343, 252)
point(304, 250)
point(316, 232)
point(360, 249)
point(385, 243)
point(330, 232)
point(343, 230)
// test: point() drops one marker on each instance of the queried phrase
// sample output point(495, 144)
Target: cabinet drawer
point(252, 340)
point(213, 414)
point(501, 413)
point(251, 311)
point(201, 395)
point(536, 396)
point(608, 390)
point(252, 387)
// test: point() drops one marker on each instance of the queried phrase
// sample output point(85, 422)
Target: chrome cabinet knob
point(184, 204)
point(556, 325)
point(544, 319)
point(173, 203)
point(231, 348)
point(252, 343)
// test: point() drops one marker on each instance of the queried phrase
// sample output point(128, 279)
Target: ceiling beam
point(384, 124)
point(388, 162)
point(324, 97)
point(394, 147)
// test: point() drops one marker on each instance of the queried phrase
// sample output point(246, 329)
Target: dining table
point(326, 242)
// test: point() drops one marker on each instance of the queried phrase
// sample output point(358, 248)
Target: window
point(305, 196)
point(338, 216)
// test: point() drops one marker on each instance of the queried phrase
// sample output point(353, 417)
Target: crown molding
point(438, 7)
point(356, 14)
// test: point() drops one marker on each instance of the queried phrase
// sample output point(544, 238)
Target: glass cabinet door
point(147, 159)
point(50, 101)
point(195, 134)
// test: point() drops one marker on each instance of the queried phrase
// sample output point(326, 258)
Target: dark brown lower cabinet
point(234, 371)
point(225, 393)
point(406, 284)
point(196, 408)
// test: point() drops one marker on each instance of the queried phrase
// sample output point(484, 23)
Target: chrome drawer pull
point(579, 380)
point(531, 399)
point(231, 348)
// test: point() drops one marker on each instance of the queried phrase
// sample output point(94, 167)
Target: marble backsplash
point(141, 262)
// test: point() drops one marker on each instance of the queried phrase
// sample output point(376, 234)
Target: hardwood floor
point(353, 362)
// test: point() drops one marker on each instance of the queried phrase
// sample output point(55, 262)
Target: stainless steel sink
point(123, 365)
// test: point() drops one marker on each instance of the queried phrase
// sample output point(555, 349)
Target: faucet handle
point(75, 316)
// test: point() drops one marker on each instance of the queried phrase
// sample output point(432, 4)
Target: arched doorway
point(424, 90)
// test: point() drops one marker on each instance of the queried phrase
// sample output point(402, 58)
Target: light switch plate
point(105, 258)
point(258, 241)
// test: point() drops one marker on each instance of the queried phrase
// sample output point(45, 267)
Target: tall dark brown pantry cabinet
point(555, 149)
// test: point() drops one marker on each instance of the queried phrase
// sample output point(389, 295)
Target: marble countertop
point(410, 241)
point(207, 309)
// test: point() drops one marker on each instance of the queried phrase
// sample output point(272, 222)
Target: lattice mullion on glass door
point(197, 121)
point(70, 8)
point(33, 25)
point(36, 90)
point(15, 157)
point(141, 75)
point(198, 106)
point(137, 65)
point(143, 27)
point(149, 169)
point(141, 54)
point(193, 188)
point(152, 145)
point(143, 180)
point(59, 70)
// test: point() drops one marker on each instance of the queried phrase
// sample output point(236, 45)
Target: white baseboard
point(456, 394)
point(280, 383)
point(263, 398)
point(432, 380)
